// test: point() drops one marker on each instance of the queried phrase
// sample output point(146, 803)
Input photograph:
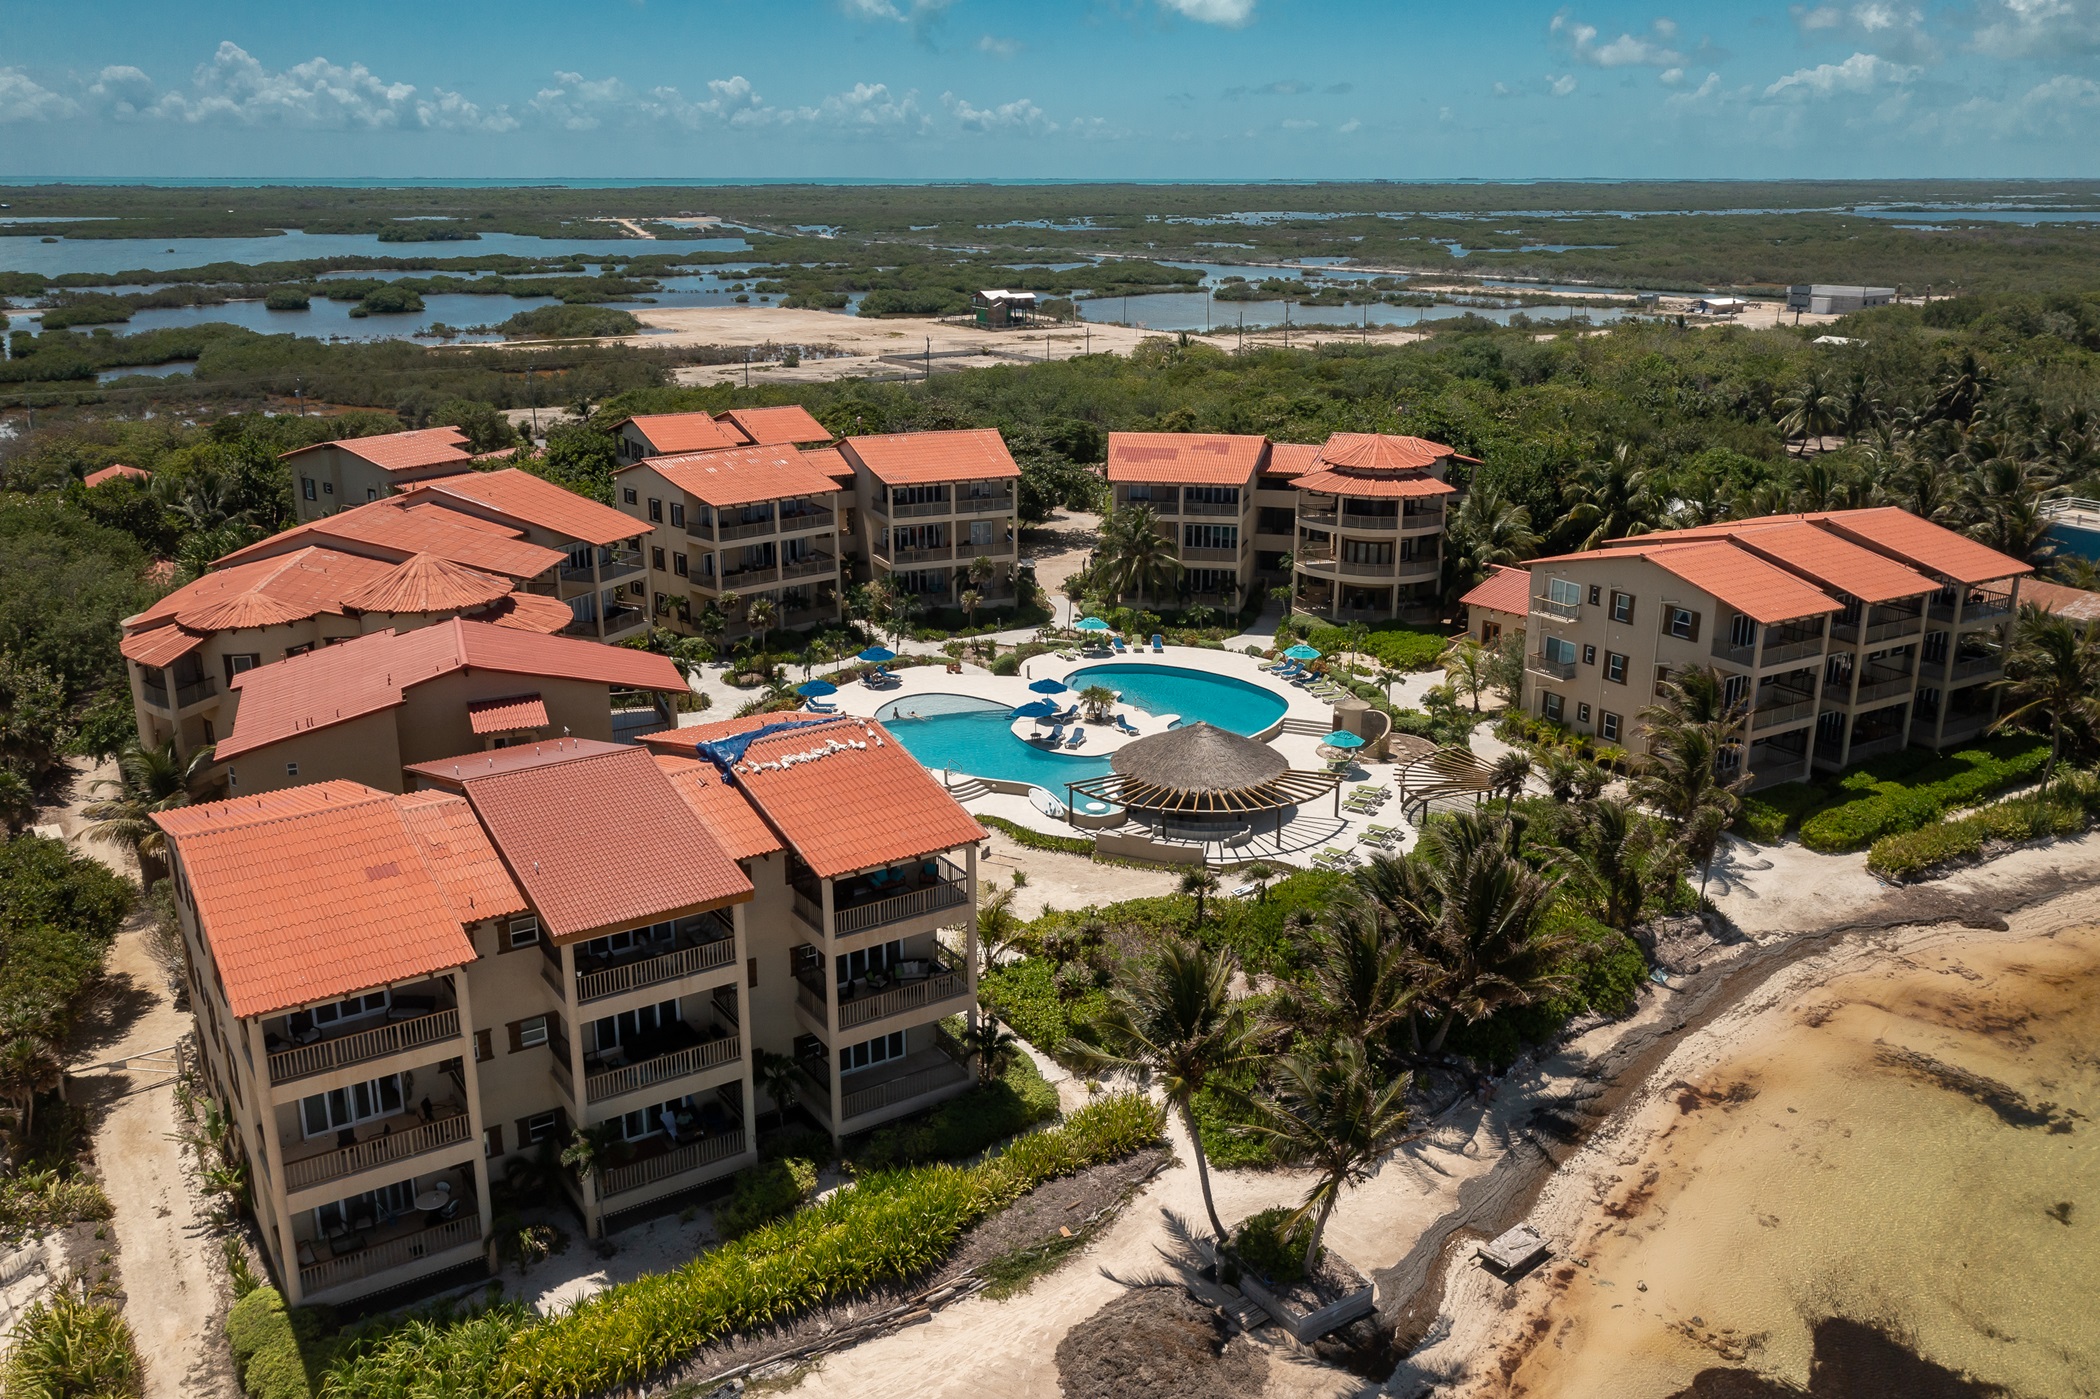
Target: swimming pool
point(976, 736)
point(1193, 694)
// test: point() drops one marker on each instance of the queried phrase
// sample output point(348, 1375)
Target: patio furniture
point(1120, 648)
point(820, 707)
point(914, 970)
point(1158, 642)
point(1125, 725)
point(1078, 737)
point(1056, 734)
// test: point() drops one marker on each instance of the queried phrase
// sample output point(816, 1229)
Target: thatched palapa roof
point(1200, 769)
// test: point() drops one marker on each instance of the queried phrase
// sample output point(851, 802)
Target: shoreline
point(1462, 1329)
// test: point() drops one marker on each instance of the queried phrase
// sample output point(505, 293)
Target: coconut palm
point(1361, 980)
point(988, 1043)
point(148, 780)
point(590, 1148)
point(1073, 590)
point(761, 616)
point(1618, 862)
point(997, 924)
point(1467, 662)
point(1097, 700)
point(2052, 668)
point(1507, 775)
point(1176, 1022)
point(1486, 529)
point(1681, 776)
point(1335, 1113)
point(30, 1064)
point(1614, 498)
point(1261, 875)
point(1199, 882)
point(1136, 558)
point(1810, 411)
point(970, 601)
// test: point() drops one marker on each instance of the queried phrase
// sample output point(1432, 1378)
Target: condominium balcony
point(673, 1051)
point(1781, 651)
point(1566, 611)
point(618, 563)
point(661, 1157)
point(1878, 685)
point(1190, 554)
point(800, 521)
point(1787, 707)
point(1977, 607)
point(1422, 521)
point(920, 508)
point(1552, 670)
point(926, 553)
point(884, 897)
point(1352, 519)
point(370, 1145)
point(703, 944)
point(1973, 667)
point(909, 988)
point(745, 577)
point(887, 1089)
point(726, 530)
point(412, 1022)
point(1874, 747)
point(357, 1253)
point(1959, 728)
point(1227, 509)
point(618, 621)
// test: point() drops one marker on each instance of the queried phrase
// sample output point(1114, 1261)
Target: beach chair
point(1055, 736)
point(1159, 642)
point(1068, 655)
point(1078, 737)
point(816, 706)
point(1125, 725)
point(1120, 647)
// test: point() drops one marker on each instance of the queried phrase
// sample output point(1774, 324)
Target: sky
point(1077, 89)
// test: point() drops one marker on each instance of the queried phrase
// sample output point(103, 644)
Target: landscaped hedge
point(887, 1228)
point(1398, 645)
point(1024, 994)
point(277, 1354)
point(1931, 849)
point(968, 1123)
point(1890, 804)
point(1036, 840)
point(1769, 815)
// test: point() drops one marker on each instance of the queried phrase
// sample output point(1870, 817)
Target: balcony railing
point(930, 898)
point(1725, 650)
point(1191, 554)
point(654, 971)
point(745, 577)
point(1874, 747)
point(1974, 666)
point(618, 1180)
point(195, 692)
point(1422, 519)
point(1901, 626)
point(931, 553)
point(156, 694)
point(1558, 670)
point(1318, 517)
point(1776, 654)
point(1352, 520)
point(857, 1102)
point(379, 1151)
point(1566, 611)
point(922, 508)
point(692, 1059)
point(620, 619)
point(393, 1253)
point(746, 529)
point(306, 1060)
point(1357, 568)
point(807, 519)
point(809, 910)
point(943, 985)
point(1230, 509)
point(984, 505)
point(1771, 716)
point(618, 563)
point(810, 567)
point(1882, 689)
point(700, 530)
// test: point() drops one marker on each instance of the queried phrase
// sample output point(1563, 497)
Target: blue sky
point(1250, 89)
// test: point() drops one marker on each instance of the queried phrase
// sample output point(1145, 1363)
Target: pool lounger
point(1159, 642)
point(1125, 725)
point(1078, 737)
point(1055, 736)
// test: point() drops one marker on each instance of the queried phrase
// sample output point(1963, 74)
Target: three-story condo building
point(932, 505)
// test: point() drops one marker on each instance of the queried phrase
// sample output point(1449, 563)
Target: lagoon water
point(23, 254)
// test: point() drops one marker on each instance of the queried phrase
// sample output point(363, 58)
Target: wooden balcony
point(618, 1180)
point(396, 1252)
point(946, 984)
point(663, 1068)
point(745, 529)
point(379, 1151)
point(306, 1060)
point(654, 971)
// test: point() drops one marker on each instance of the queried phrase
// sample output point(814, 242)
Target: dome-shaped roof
point(427, 583)
point(1380, 451)
point(1199, 757)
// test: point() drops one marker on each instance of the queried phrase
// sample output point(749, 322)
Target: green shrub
point(1271, 1245)
point(763, 1193)
point(1008, 664)
point(1770, 814)
point(966, 1124)
point(49, 1199)
point(1220, 1114)
point(68, 1346)
point(1024, 994)
point(287, 299)
point(1398, 645)
point(1928, 850)
point(1909, 790)
point(277, 1354)
point(1036, 840)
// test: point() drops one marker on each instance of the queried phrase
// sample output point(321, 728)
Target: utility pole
point(747, 366)
point(532, 400)
point(929, 359)
point(1090, 337)
point(1243, 332)
point(1286, 325)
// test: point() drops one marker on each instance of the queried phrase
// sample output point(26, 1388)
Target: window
point(1735, 689)
point(1615, 667)
point(328, 488)
point(1684, 624)
point(871, 959)
point(629, 495)
point(361, 1212)
point(677, 515)
point(678, 564)
point(291, 769)
point(1552, 706)
point(1621, 606)
point(239, 663)
point(346, 1107)
point(1596, 594)
point(868, 1053)
point(538, 1128)
point(210, 734)
point(629, 1025)
point(1215, 537)
point(656, 559)
point(1608, 725)
point(1582, 714)
point(306, 487)
point(1490, 632)
point(983, 533)
point(1589, 655)
point(647, 1122)
point(355, 1008)
point(492, 1141)
point(371, 493)
point(1559, 649)
point(528, 1034)
point(1562, 591)
point(1742, 631)
point(484, 1050)
point(523, 932)
point(656, 510)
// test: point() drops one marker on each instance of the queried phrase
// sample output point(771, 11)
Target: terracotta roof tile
point(2074, 603)
point(496, 716)
point(458, 852)
point(403, 451)
point(1185, 458)
point(788, 424)
point(338, 683)
point(1923, 544)
point(683, 432)
point(309, 895)
point(923, 458)
point(683, 742)
point(160, 646)
point(113, 473)
point(593, 833)
point(856, 807)
point(529, 612)
point(1763, 591)
point(527, 498)
point(1832, 561)
point(1379, 487)
point(832, 462)
point(721, 807)
point(1379, 451)
point(427, 583)
point(1291, 458)
point(308, 581)
point(740, 476)
point(1503, 590)
point(405, 525)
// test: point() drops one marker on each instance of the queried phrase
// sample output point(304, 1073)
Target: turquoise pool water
point(1193, 694)
point(975, 736)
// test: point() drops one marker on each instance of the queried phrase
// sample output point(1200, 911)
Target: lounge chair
point(817, 706)
point(1287, 669)
point(1055, 736)
point(1125, 725)
point(1120, 648)
point(1068, 655)
point(1159, 643)
point(1078, 737)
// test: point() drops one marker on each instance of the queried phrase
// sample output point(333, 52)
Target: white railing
point(691, 1060)
point(617, 1180)
point(903, 1088)
point(323, 1055)
point(945, 894)
point(911, 995)
point(1566, 611)
point(395, 1146)
point(649, 971)
point(394, 1253)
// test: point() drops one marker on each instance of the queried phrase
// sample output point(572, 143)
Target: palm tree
point(776, 1074)
point(761, 616)
point(1337, 1114)
point(1199, 883)
point(1617, 862)
point(2052, 667)
point(1260, 874)
point(30, 1064)
point(1486, 529)
point(988, 1043)
point(1361, 981)
point(1177, 1023)
point(1614, 498)
point(970, 601)
point(591, 1147)
point(1073, 591)
point(1507, 775)
point(1681, 776)
point(1097, 700)
point(148, 780)
point(1467, 662)
point(997, 924)
point(1135, 557)
point(1810, 411)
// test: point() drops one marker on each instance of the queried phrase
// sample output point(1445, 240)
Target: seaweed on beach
point(2011, 1105)
point(1853, 1360)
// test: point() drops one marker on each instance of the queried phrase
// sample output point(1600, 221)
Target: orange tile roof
point(593, 833)
point(1291, 458)
point(721, 807)
point(335, 684)
point(788, 424)
point(305, 583)
point(1762, 591)
point(1185, 458)
point(528, 612)
point(311, 894)
point(160, 646)
point(683, 743)
point(924, 458)
point(116, 472)
point(498, 716)
point(1380, 487)
point(1924, 544)
point(740, 476)
point(832, 462)
point(1379, 451)
point(532, 500)
point(683, 432)
point(848, 797)
point(402, 451)
point(401, 526)
point(1503, 590)
point(2074, 603)
point(1831, 560)
point(458, 852)
point(427, 583)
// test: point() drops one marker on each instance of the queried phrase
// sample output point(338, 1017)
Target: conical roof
point(242, 610)
point(1199, 757)
point(1380, 451)
point(427, 583)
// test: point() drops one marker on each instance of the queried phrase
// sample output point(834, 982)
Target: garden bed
point(1330, 1297)
point(1160, 1343)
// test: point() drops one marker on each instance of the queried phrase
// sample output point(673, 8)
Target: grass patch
point(1011, 1274)
point(69, 1345)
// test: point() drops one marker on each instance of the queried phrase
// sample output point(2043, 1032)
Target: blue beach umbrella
point(1342, 738)
point(1048, 687)
point(816, 689)
point(1093, 624)
point(878, 654)
point(1302, 652)
point(1035, 709)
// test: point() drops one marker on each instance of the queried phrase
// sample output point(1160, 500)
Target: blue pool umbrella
point(1092, 624)
point(1048, 687)
point(816, 689)
point(1302, 652)
point(1342, 738)
point(878, 654)
point(1035, 709)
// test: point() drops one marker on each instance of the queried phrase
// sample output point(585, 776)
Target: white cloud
point(234, 88)
point(1820, 18)
point(121, 91)
point(1626, 51)
point(2062, 106)
point(997, 47)
point(1299, 124)
point(1560, 86)
point(912, 12)
point(23, 98)
point(1895, 30)
point(1863, 72)
point(1230, 13)
point(2027, 28)
point(1349, 126)
point(1670, 77)
point(1020, 115)
point(1696, 97)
